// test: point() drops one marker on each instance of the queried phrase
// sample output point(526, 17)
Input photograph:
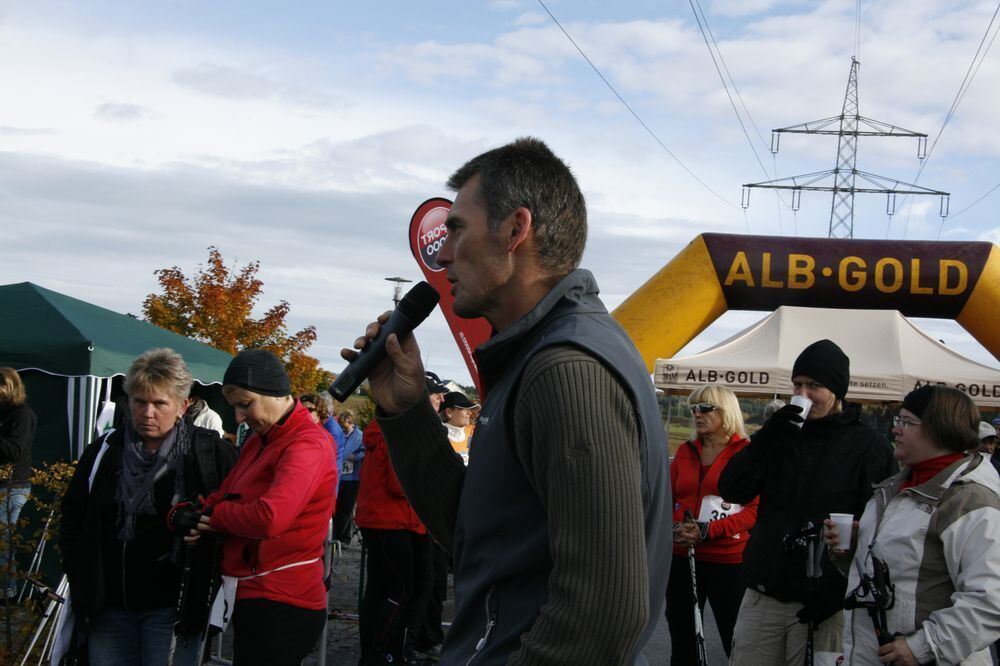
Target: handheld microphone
point(411, 311)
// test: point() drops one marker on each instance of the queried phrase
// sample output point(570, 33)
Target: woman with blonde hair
point(17, 430)
point(712, 531)
point(123, 562)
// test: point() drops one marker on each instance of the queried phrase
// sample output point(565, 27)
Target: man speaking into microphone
point(559, 526)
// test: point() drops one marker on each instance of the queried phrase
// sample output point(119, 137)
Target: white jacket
point(941, 542)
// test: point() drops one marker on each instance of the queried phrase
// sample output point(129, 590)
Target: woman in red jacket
point(274, 509)
point(715, 529)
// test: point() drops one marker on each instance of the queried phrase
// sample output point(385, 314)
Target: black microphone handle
point(412, 310)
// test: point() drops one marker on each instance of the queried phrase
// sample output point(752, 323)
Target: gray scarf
point(140, 471)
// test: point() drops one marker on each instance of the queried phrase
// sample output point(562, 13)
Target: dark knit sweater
point(576, 438)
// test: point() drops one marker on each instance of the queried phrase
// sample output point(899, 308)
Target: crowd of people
point(568, 528)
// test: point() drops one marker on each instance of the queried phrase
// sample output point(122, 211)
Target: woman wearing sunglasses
point(717, 530)
point(936, 527)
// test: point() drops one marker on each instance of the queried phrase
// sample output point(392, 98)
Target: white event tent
point(889, 357)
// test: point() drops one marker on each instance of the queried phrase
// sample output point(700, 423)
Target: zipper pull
point(482, 641)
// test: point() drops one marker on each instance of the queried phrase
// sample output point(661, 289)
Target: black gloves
point(783, 426)
point(826, 599)
point(183, 517)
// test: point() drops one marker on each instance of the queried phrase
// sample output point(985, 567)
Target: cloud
point(311, 155)
point(117, 112)
point(530, 18)
point(738, 8)
point(224, 81)
point(6, 130)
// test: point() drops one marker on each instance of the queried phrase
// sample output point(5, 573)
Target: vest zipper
point(491, 621)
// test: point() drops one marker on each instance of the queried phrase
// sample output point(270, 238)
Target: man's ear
point(521, 228)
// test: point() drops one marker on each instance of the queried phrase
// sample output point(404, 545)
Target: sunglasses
point(703, 408)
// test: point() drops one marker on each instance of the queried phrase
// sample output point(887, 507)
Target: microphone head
point(419, 302)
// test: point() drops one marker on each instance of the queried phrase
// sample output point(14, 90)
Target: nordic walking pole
point(814, 570)
point(699, 628)
point(327, 568)
point(181, 598)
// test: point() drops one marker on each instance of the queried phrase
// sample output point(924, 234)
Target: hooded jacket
point(941, 542)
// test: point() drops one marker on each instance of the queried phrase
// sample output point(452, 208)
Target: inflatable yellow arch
point(720, 272)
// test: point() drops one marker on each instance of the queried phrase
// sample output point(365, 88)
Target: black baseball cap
point(434, 383)
point(457, 399)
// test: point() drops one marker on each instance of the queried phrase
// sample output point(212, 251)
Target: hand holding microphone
point(389, 357)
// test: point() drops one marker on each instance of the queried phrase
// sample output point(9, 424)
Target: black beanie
point(260, 371)
point(916, 401)
point(823, 361)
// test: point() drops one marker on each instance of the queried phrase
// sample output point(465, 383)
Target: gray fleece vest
point(502, 559)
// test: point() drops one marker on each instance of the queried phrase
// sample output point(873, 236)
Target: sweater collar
point(934, 488)
point(924, 471)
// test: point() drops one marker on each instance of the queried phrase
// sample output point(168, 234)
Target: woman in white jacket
point(936, 527)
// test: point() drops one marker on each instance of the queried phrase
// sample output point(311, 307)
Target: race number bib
point(225, 600)
point(714, 507)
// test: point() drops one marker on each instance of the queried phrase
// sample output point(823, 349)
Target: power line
point(970, 75)
point(988, 193)
point(732, 81)
point(634, 114)
point(706, 33)
point(857, 32)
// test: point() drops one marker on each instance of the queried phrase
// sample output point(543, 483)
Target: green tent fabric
point(68, 353)
point(61, 335)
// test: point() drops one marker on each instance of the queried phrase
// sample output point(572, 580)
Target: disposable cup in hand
point(803, 402)
point(845, 529)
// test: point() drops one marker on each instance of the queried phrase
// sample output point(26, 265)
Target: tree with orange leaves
point(215, 306)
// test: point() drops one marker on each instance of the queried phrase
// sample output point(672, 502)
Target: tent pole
point(668, 422)
point(70, 421)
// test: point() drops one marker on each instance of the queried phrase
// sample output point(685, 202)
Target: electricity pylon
point(842, 180)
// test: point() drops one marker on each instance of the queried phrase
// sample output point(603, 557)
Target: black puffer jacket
point(802, 474)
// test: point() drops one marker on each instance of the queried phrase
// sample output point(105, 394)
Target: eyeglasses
point(311, 408)
point(898, 422)
point(703, 408)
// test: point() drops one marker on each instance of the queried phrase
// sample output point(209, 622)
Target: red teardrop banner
point(427, 234)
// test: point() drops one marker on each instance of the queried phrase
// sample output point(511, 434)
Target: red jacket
point(381, 504)
point(286, 485)
point(727, 534)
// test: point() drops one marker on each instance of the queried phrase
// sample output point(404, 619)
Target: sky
point(134, 135)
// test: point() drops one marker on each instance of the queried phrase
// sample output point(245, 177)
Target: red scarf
point(924, 471)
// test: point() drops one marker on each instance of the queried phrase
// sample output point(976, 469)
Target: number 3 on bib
point(714, 507)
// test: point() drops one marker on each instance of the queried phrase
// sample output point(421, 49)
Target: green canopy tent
point(68, 351)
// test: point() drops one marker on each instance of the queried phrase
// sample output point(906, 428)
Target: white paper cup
point(803, 402)
point(845, 529)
